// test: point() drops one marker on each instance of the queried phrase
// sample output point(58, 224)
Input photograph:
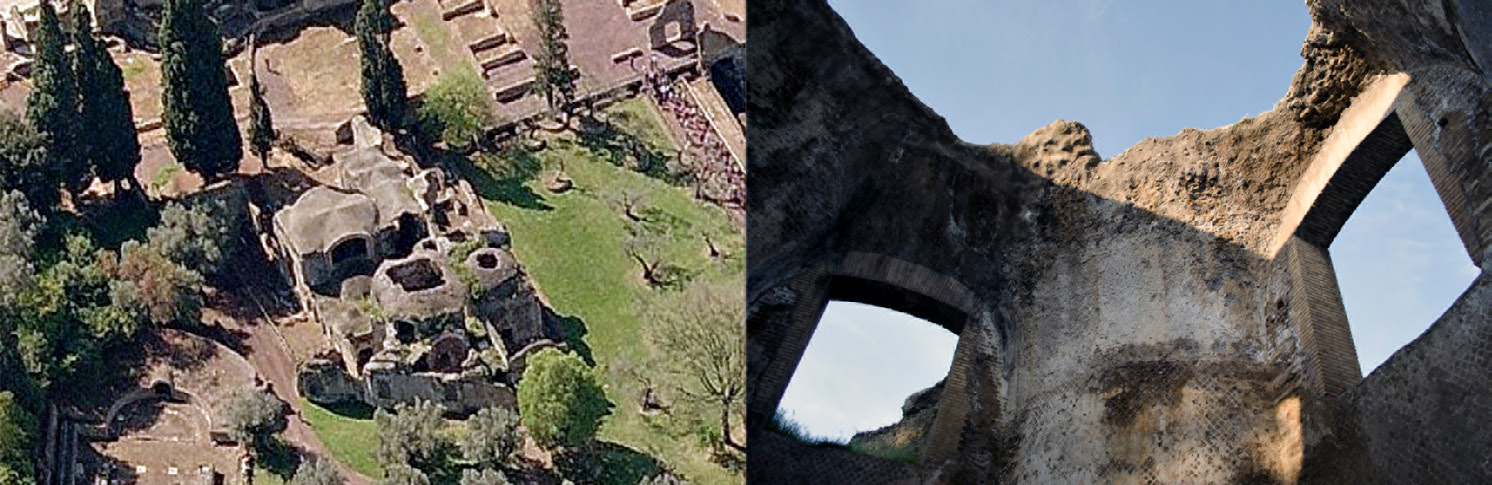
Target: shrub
point(315, 471)
point(455, 108)
point(560, 400)
point(491, 435)
point(253, 416)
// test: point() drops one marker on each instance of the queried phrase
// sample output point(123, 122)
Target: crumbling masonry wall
point(1166, 315)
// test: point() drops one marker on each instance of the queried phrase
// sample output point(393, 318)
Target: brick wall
point(1424, 413)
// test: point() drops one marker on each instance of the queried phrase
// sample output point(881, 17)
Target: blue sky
point(1128, 70)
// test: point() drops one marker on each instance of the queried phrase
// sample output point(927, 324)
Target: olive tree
point(253, 416)
point(491, 436)
point(697, 333)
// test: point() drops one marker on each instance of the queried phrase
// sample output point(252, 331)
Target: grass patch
point(122, 219)
point(638, 117)
point(634, 137)
point(435, 33)
point(164, 176)
point(349, 433)
point(265, 477)
point(785, 425)
point(905, 453)
point(432, 32)
point(132, 70)
point(572, 243)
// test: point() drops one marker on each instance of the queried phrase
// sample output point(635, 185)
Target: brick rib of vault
point(785, 342)
point(1317, 313)
point(1454, 180)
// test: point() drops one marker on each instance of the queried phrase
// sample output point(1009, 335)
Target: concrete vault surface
point(1168, 315)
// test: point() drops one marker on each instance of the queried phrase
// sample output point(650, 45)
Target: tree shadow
point(340, 18)
point(620, 147)
point(511, 187)
point(574, 330)
point(349, 409)
point(117, 374)
point(234, 339)
point(729, 459)
point(280, 458)
point(138, 416)
point(275, 188)
point(111, 469)
point(180, 353)
point(108, 221)
point(606, 463)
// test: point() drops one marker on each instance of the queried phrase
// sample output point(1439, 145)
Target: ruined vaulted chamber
point(417, 297)
point(1167, 315)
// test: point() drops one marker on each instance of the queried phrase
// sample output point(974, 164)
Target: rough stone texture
point(326, 382)
point(917, 416)
point(1166, 315)
point(460, 394)
point(795, 462)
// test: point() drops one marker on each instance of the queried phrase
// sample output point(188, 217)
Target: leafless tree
point(697, 332)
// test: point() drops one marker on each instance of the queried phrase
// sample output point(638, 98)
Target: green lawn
point(164, 175)
point(572, 243)
point(639, 117)
point(264, 477)
point(351, 436)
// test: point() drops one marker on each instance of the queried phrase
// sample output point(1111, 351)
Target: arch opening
point(1399, 263)
point(350, 249)
point(872, 375)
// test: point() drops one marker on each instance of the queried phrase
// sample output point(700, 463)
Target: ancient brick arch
point(1169, 314)
point(895, 284)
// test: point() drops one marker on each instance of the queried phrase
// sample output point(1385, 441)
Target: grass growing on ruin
point(639, 117)
point(905, 453)
point(572, 245)
point(164, 176)
point(351, 436)
point(437, 36)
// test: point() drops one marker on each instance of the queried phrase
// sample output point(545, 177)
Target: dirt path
point(271, 357)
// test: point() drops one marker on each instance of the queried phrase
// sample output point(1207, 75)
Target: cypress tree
point(198, 114)
point(383, 78)
point(261, 124)
point(553, 77)
point(113, 151)
point(52, 105)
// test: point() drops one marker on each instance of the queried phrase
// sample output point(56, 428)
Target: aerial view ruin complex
point(1166, 315)
point(372, 241)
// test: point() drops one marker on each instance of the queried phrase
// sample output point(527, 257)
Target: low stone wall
point(458, 394)
point(778, 459)
point(325, 382)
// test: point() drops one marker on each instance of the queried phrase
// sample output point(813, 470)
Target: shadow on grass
point(279, 458)
point(116, 221)
point(606, 463)
point(109, 222)
point(349, 409)
point(614, 144)
point(511, 188)
point(574, 330)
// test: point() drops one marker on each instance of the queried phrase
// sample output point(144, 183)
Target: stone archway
point(894, 284)
point(1370, 139)
point(1193, 264)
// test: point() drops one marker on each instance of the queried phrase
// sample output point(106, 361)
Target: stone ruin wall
point(1167, 315)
